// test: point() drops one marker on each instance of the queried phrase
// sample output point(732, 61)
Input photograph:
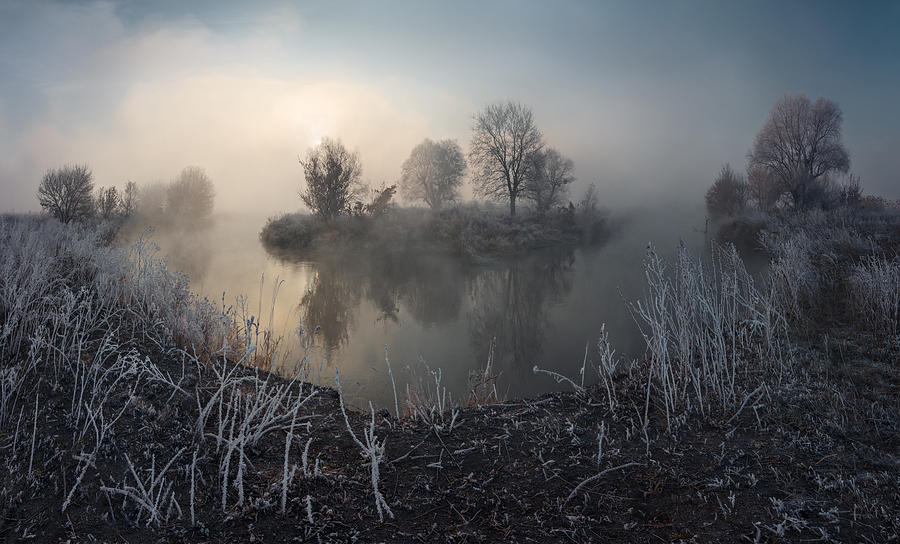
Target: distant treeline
point(797, 163)
point(508, 160)
point(69, 195)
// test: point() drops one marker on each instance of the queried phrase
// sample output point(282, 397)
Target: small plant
point(371, 450)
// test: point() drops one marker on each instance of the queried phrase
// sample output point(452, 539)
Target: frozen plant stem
point(193, 478)
point(393, 385)
point(371, 449)
point(595, 477)
point(286, 480)
point(33, 435)
point(559, 378)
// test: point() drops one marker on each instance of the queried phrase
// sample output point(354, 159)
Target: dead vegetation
point(127, 412)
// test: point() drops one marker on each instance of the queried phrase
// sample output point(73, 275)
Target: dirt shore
point(817, 462)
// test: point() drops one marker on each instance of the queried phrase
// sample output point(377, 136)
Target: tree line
point(508, 157)
point(69, 195)
point(798, 162)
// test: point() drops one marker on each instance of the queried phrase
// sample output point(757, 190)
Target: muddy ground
point(800, 463)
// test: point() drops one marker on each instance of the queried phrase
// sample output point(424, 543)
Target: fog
point(432, 310)
point(648, 103)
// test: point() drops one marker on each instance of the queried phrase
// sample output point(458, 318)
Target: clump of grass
point(100, 340)
point(710, 333)
point(875, 292)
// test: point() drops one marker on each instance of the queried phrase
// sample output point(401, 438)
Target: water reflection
point(329, 303)
point(543, 308)
point(510, 304)
point(507, 301)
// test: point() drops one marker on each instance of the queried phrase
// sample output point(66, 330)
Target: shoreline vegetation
point(764, 411)
point(472, 232)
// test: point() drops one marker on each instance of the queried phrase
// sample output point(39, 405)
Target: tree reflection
point(511, 303)
point(508, 301)
point(330, 302)
point(434, 289)
point(428, 288)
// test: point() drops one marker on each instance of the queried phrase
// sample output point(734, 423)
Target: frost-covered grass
point(96, 340)
point(713, 337)
point(126, 403)
point(837, 271)
point(875, 292)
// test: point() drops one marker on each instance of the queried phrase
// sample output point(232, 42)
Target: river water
point(434, 311)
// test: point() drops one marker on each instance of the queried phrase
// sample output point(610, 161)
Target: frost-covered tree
point(129, 200)
point(107, 202)
point(504, 139)
point(433, 173)
point(67, 193)
point(151, 201)
point(550, 173)
point(764, 187)
point(191, 197)
point(800, 143)
point(332, 178)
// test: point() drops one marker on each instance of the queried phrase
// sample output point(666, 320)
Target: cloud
point(138, 91)
point(176, 95)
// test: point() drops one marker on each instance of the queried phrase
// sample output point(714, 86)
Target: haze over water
point(543, 307)
point(649, 101)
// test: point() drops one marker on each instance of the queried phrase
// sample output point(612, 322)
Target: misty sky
point(646, 97)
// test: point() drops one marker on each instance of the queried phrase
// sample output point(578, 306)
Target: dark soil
point(817, 462)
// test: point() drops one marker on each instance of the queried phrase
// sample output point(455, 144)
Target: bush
point(744, 231)
point(289, 232)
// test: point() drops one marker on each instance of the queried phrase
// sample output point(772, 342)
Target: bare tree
point(191, 197)
point(433, 172)
point(129, 199)
point(588, 204)
point(764, 187)
point(151, 201)
point(800, 143)
point(107, 202)
point(850, 192)
point(550, 173)
point(728, 195)
point(503, 141)
point(67, 193)
point(332, 178)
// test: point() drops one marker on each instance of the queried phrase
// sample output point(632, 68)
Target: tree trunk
point(512, 205)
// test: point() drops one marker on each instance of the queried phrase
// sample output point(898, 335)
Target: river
point(434, 311)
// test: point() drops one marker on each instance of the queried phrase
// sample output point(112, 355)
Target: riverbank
point(469, 232)
point(128, 412)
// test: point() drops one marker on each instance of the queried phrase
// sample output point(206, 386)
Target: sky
point(649, 98)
